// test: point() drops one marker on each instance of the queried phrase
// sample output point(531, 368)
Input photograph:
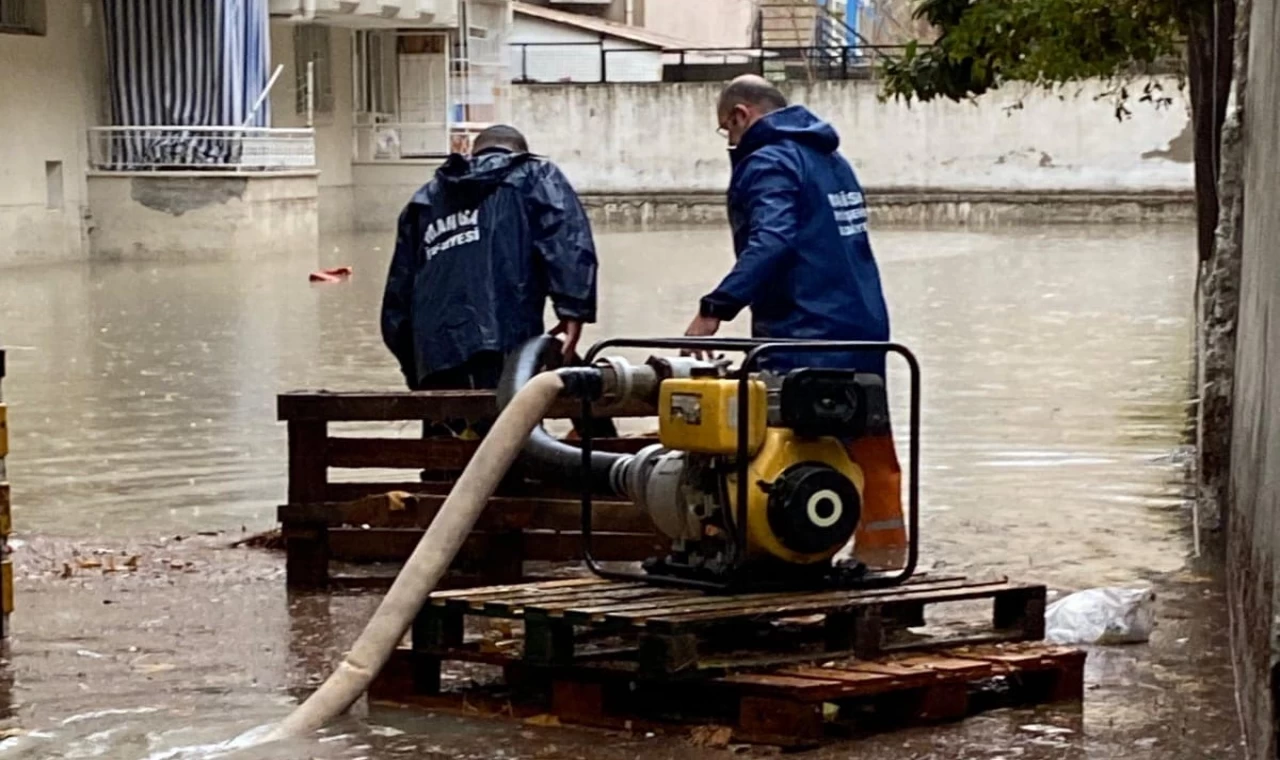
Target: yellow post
point(6, 522)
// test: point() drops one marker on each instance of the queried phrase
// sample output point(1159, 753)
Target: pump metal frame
point(754, 349)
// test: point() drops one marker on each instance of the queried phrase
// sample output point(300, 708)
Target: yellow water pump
point(753, 471)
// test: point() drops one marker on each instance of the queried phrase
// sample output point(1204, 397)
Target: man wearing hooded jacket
point(479, 249)
point(805, 269)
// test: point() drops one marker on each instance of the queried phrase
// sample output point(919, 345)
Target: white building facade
point(324, 113)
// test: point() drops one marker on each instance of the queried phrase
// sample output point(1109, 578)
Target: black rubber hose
point(544, 453)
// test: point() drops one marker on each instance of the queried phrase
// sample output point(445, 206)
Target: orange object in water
point(881, 537)
point(336, 274)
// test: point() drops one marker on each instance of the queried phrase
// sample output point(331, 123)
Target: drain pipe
point(436, 550)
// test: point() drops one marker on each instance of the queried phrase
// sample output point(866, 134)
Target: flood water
point(1057, 369)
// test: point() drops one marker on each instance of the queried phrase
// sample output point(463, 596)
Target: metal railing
point(176, 148)
point(594, 62)
point(395, 141)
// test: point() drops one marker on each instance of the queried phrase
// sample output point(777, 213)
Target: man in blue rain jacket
point(805, 268)
point(799, 218)
point(479, 249)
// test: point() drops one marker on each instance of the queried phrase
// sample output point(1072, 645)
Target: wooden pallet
point(342, 521)
point(664, 633)
point(792, 706)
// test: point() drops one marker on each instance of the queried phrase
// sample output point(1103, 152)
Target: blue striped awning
point(188, 63)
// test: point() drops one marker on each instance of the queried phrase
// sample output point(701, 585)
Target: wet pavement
point(1057, 383)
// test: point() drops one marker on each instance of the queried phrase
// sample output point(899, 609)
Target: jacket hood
point(795, 123)
point(481, 172)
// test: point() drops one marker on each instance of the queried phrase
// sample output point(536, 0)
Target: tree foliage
point(984, 43)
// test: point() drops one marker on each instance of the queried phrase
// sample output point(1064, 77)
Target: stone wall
point(1253, 531)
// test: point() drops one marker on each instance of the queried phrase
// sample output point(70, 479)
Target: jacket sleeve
point(770, 193)
point(397, 299)
point(562, 242)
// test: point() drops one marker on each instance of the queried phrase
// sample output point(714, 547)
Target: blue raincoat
point(479, 249)
point(804, 261)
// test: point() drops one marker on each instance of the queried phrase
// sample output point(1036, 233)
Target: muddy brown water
point(1056, 390)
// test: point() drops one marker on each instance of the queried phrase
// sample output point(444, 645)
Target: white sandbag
point(1102, 616)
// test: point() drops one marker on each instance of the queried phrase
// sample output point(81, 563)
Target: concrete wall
point(1254, 523)
point(382, 190)
point(50, 94)
point(334, 135)
point(639, 138)
point(202, 215)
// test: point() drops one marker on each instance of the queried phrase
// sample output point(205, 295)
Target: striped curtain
point(188, 63)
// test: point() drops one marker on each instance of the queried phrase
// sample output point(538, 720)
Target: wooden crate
point(790, 705)
point(528, 520)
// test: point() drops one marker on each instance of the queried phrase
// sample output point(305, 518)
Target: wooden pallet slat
point(413, 510)
point(714, 605)
point(827, 602)
point(784, 706)
point(396, 544)
point(396, 406)
point(439, 455)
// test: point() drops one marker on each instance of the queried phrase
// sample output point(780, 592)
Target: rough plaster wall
point(1254, 527)
point(661, 138)
point(216, 217)
point(50, 91)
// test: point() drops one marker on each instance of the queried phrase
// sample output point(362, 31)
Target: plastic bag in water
point(1102, 616)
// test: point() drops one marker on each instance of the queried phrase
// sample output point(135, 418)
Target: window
point(53, 185)
point(21, 16)
point(311, 46)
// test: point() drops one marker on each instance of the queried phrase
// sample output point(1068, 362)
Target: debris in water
point(333, 274)
point(108, 713)
point(1047, 730)
point(1102, 616)
point(544, 720)
point(715, 737)
point(90, 654)
point(271, 540)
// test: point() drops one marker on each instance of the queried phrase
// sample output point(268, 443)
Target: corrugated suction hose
point(430, 560)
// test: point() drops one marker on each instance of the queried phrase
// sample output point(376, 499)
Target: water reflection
point(1056, 372)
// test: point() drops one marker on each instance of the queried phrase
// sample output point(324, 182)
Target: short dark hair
point(500, 136)
point(752, 91)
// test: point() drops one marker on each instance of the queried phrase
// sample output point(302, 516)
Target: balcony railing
point(587, 62)
point(172, 148)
